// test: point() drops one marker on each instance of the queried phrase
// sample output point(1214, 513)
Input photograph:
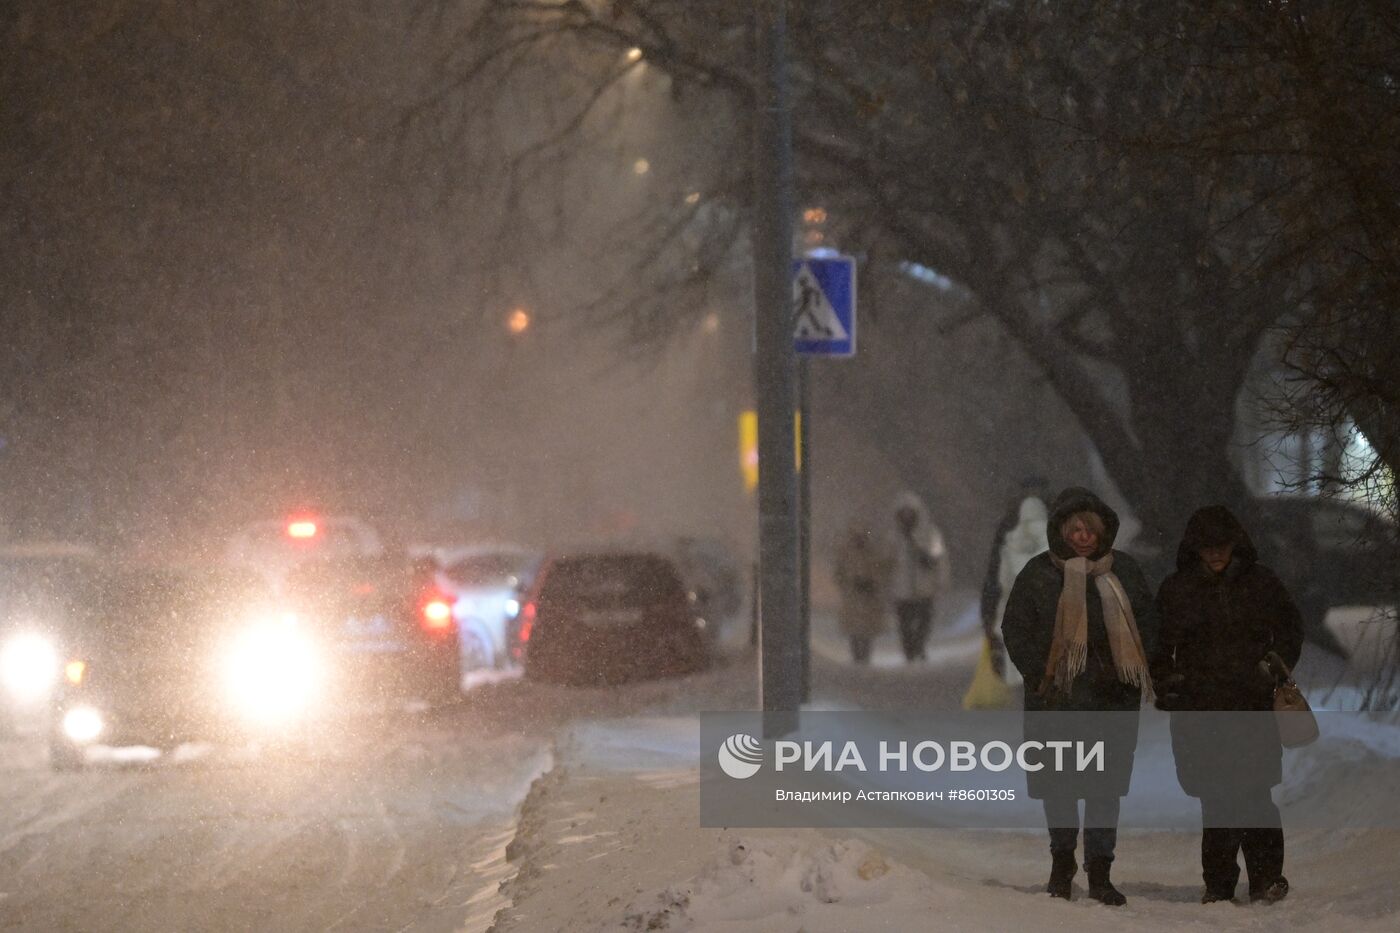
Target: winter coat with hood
point(914, 577)
point(1028, 628)
point(1216, 628)
point(862, 573)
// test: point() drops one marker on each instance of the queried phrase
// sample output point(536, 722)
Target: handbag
point(1297, 725)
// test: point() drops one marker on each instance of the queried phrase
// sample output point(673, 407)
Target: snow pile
point(759, 883)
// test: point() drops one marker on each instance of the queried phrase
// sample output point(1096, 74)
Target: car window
point(491, 570)
point(361, 576)
point(599, 583)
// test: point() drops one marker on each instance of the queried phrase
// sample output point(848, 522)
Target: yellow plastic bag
point(988, 691)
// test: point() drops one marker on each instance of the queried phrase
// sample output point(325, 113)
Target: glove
point(1169, 693)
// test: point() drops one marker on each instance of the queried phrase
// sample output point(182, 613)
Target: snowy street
point(401, 825)
point(535, 807)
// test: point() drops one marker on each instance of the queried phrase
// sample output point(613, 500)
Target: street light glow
point(634, 54)
point(519, 321)
point(641, 166)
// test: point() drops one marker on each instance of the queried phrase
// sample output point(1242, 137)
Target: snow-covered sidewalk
point(610, 839)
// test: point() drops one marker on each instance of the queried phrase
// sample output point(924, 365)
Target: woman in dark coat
point(1223, 612)
point(1080, 625)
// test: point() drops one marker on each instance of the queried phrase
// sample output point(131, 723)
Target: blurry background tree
point(1103, 181)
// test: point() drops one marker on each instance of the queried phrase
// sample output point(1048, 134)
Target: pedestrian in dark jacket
point(1223, 613)
point(1080, 626)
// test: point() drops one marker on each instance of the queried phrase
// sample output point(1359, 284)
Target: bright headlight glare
point(82, 724)
point(28, 665)
point(272, 673)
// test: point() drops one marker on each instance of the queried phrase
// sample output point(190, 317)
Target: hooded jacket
point(921, 558)
point(1216, 628)
point(1028, 628)
point(862, 574)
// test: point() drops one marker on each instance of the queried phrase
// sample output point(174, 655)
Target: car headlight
point(272, 673)
point(82, 724)
point(28, 665)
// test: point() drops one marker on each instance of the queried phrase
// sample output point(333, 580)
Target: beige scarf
point(1070, 645)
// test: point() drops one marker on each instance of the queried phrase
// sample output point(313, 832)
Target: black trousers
point(1223, 838)
point(860, 649)
point(915, 619)
point(1100, 825)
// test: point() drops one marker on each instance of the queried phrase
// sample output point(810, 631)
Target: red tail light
point(527, 621)
point(437, 614)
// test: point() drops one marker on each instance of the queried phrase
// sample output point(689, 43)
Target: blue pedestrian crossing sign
point(824, 306)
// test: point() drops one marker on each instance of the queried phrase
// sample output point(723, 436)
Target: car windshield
point(612, 582)
point(30, 586)
point(488, 570)
point(147, 610)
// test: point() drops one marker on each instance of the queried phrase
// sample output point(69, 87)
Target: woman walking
point(863, 578)
point(1223, 613)
point(1079, 625)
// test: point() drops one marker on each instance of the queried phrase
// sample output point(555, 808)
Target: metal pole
point(804, 519)
point(780, 650)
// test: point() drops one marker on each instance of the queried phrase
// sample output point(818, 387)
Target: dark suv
point(608, 617)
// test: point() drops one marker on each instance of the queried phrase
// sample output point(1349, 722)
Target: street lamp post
point(780, 651)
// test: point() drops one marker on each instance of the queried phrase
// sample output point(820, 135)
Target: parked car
point(163, 656)
point(1331, 554)
point(488, 586)
point(42, 585)
point(608, 617)
point(387, 626)
point(715, 580)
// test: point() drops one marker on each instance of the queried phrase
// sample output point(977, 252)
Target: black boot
point(1062, 872)
point(1271, 894)
point(1100, 888)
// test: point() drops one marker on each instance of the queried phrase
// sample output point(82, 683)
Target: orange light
point(634, 54)
point(519, 321)
point(74, 671)
point(301, 529)
point(527, 623)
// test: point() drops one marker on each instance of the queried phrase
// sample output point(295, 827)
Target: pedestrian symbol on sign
point(824, 306)
point(815, 317)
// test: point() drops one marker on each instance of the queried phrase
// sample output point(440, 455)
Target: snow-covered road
point(401, 823)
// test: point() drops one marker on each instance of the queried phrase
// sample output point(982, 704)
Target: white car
point(486, 583)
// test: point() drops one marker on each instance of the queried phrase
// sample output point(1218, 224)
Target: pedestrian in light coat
point(862, 572)
point(920, 573)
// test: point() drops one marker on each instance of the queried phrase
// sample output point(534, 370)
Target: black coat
point(1216, 628)
point(1028, 627)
